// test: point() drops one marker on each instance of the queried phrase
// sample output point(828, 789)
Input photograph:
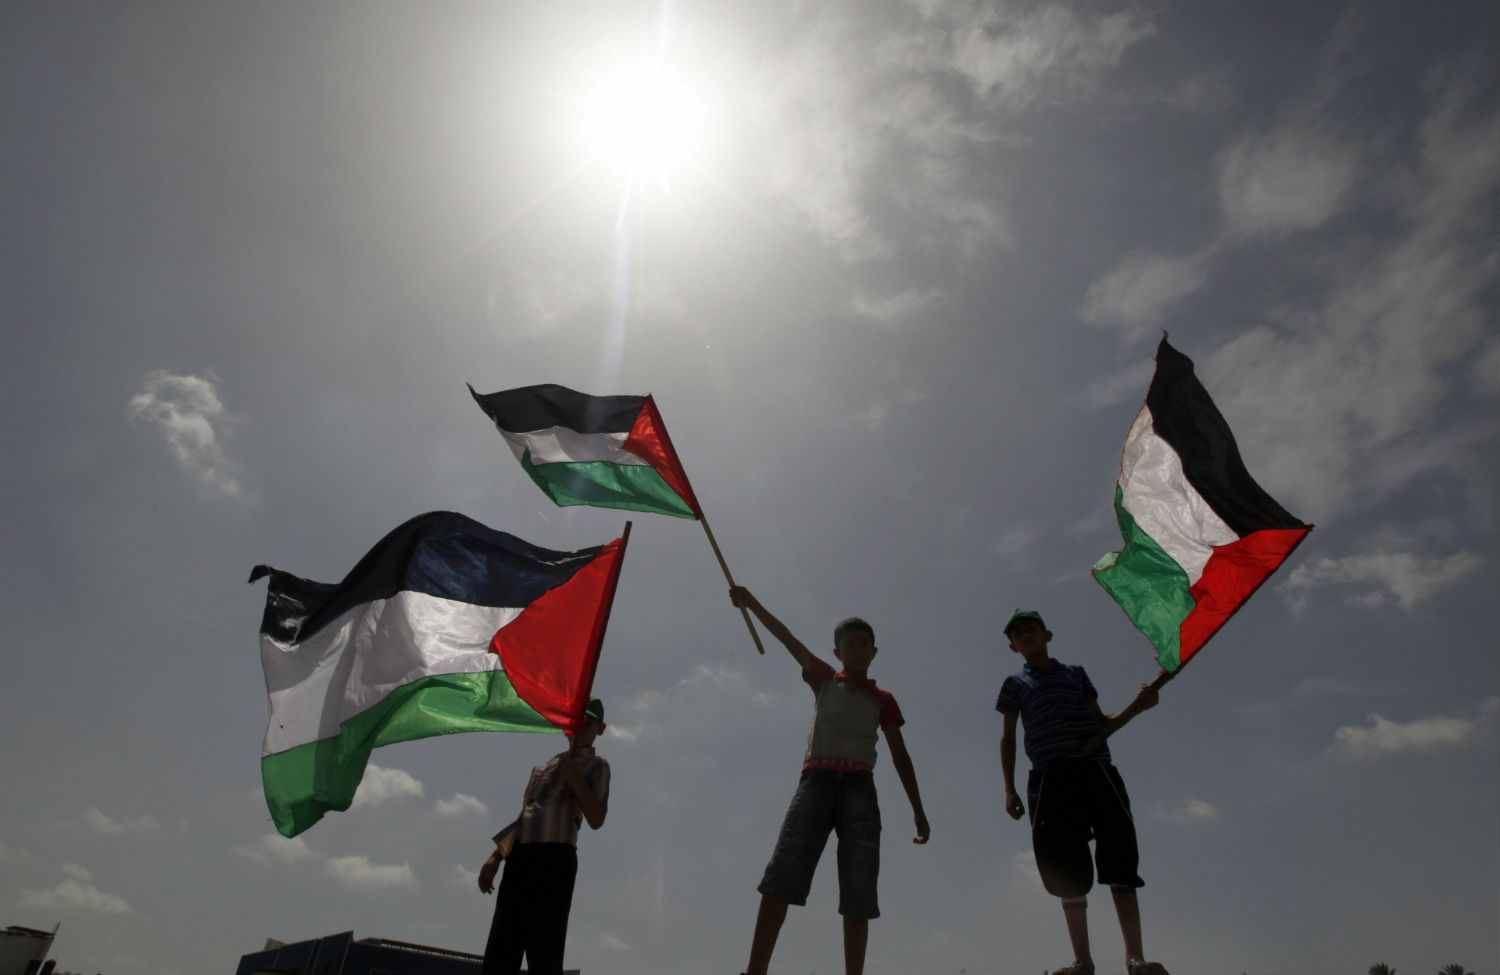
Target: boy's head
point(1028, 634)
point(854, 644)
point(592, 725)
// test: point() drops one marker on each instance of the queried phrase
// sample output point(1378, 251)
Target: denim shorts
point(829, 801)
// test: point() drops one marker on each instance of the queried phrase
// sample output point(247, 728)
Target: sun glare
point(644, 123)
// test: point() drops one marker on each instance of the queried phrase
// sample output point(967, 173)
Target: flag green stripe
point(303, 783)
point(1149, 585)
point(633, 487)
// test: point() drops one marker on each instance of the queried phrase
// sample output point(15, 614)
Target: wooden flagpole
point(714, 543)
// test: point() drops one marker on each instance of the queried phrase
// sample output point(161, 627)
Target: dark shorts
point(1073, 801)
point(828, 801)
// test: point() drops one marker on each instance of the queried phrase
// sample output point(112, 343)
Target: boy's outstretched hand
point(924, 831)
point(741, 597)
point(1147, 698)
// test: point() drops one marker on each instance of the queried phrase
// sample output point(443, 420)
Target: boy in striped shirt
point(1074, 792)
point(836, 790)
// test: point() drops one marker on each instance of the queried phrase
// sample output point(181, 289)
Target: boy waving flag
point(601, 451)
point(1200, 535)
point(444, 626)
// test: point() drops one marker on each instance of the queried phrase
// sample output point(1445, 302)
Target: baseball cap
point(1022, 614)
point(595, 710)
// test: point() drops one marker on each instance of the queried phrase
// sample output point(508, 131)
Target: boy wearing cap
point(836, 791)
point(540, 850)
point(1074, 792)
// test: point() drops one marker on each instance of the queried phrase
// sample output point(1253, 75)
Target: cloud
point(1024, 865)
point(1396, 318)
point(1017, 540)
point(191, 416)
point(1129, 383)
point(1138, 293)
point(901, 306)
point(610, 941)
point(1287, 180)
point(1185, 812)
point(278, 848)
point(382, 784)
point(357, 873)
point(462, 877)
point(461, 804)
point(76, 892)
point(100, 823)
point(1379, 578)
point(1382, 737)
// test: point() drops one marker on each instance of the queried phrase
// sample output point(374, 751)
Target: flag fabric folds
point(1200, 534)
point(444, 626)
point(603, 451)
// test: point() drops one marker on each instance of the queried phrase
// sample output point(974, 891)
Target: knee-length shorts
point(1073, 801)
point(825, 802)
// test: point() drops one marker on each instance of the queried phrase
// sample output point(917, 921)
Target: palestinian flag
point(604, 451)
point(444, 626)
point(1200, 535)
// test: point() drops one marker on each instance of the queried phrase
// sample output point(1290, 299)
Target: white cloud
point(100, 823)
point(613, 942)
point(1017, 540)
point(76, 892)
point(901, 306)
point(462, 877)
point(191, 416)
point(1185, 812)
point(1129, 383)
point(1396, 318)
point(461, 804)
point(278, 848)
point(358, 874)
point(1137, 294)
point(382, 784)
point(1288, 180)
point(1378, 577)
point(1381, 737)
point(1024, 864)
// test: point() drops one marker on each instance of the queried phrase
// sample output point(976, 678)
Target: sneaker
point(1077, 968)
point(1135, 966)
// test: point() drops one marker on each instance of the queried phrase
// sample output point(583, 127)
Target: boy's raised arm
point(745, 599)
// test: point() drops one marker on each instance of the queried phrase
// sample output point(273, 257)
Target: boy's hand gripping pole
point(749, 623)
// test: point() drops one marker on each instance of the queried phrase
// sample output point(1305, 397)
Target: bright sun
point(644, 123)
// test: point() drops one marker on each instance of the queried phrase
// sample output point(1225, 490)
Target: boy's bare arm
point(1145, 700)
point(901, 759)
point(745, 599)
point(1013, 804)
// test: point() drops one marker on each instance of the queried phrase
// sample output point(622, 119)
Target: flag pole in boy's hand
point(603, 451)
point(713, 542)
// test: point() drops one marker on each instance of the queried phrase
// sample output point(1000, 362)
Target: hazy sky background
point(897, 300)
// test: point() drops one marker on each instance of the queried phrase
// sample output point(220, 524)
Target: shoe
point(1077, 968)
point(1135, 966)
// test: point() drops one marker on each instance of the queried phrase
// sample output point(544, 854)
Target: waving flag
point(444, 626)
point(605, 451)
point(1200, 535)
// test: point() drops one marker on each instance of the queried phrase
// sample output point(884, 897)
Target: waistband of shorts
point(834, 774)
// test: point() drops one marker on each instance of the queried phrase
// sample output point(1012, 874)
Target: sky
point(894, 270)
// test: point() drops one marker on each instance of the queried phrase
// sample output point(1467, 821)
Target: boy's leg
point(1076, 913)
point(856, 937)
point(768, 922)
point(502, 952)
point(552, 900)
point(1129, 910)
point(788, 877)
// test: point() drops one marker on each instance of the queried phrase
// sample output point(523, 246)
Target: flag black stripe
point(441, 554)
point(1183, 414)
point(549, 405)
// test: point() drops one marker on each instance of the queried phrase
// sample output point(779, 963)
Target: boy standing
point(540, 850)
point(1074, 792)
point(837, 789)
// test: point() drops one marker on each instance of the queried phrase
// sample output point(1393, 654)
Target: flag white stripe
point(1163, 502)
point(560, 445)
point(374, 648)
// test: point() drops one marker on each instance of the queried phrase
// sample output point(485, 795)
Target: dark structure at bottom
point(340, 954)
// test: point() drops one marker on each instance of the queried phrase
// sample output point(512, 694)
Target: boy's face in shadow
point(855, 649)
point(1029, 638)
